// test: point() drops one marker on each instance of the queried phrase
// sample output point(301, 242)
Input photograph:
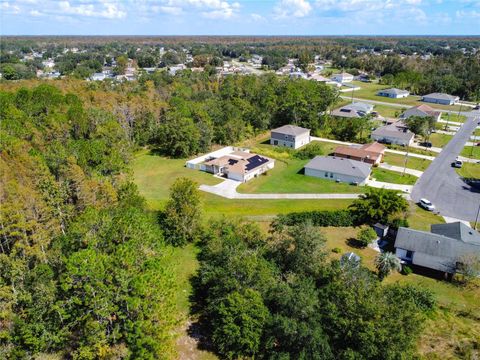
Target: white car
point(426, 204)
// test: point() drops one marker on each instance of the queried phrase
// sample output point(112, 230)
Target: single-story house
point(393, 93)
point(369, 153)
point(98, 76)
point(320, 78)
point(291, 136)
point(440, 98)
point(342, 77)
point(396, 133)
point(421, 110)
point(239, 165)
point(440, 249)
point(339, 169)
point(353, 110)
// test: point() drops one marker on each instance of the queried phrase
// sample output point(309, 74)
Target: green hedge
point(319, 218)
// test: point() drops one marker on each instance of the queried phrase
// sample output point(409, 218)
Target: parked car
point(426, 144)
point(457, 164)
point(477, 107)
point(426, 204)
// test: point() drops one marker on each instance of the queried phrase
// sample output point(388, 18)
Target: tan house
point(369, 153)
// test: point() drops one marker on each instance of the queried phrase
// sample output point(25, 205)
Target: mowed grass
point(389, 111)
point(412, 162)
point(393, 177)
point(469, 171)
point(440, 140)
point(288, 177)
point(369, 91)
point(471, 152)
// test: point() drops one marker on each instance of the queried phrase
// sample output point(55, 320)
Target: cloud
point(8, 8)
point(257, 17)
point(292, 8)
point(107, 9)
point(35, 13)
point(472, 14)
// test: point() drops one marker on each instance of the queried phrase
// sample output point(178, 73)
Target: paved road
point(441, 184)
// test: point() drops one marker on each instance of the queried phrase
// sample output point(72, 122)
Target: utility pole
point(476, 218)
point(405, 162)
point(448, 119)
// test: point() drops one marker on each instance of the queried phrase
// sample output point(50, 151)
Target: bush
point(309, 151)
point(337, 250)
point(337, 218)
point(366, 236)
point(406, 270)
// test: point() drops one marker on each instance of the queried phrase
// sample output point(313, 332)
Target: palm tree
point(386, 263)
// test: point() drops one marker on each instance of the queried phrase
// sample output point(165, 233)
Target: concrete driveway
point(443, 186)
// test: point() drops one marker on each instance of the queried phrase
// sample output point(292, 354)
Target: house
point(421, 110)
point(342, 77)
point(290, 136)
point(439, 98)
point(320, 78)
point(239, 165)
point(440, 249)
point(98, 76)
point(338, 169)
point(393, 93)
point(396, 133)
point(369, 153)
point(353, 110)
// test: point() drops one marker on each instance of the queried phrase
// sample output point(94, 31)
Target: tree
point(421, 125)
point(386, 262)
point(238, 323)
point(378, 205)
point(181, 217)
point(366, 236)
point(469, 266)
point(121, 67)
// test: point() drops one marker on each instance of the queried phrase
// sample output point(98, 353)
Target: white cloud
point(292, 8)
point(171, 10)
point(8, 8)
point(35, 13)
point(467, 14)
point(107, 9)
point(257, 17)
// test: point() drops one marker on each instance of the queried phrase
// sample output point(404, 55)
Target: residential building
point(290, 136)
point(339, 169)
point(353, 110)
point(440, 98)
point(396, 133)
point(98, 76)
point(393, 93)
point(440, 249)
point(421, 110)
point(342, 77)
point(239, 165)
point(369, 153)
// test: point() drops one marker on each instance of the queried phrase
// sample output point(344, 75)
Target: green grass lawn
point(393, 177)
point(288, 177)
point(412, 162)
point(469, 171)
point(412, 150)
point(389, 111)
point(471, 151)
point(454, 118)
point(440, 140)
point(369, 91)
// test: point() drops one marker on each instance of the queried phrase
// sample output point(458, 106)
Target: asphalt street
point(441, 184)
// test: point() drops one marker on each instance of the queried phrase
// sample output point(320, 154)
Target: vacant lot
point(393, 177)
point(440, 140)
point(471, 152)
point(412, 162)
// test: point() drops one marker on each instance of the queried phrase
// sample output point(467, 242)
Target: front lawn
point(288, 177)
point(393, 177)
point(469, 171)
point(412, 162)
point(471, 152)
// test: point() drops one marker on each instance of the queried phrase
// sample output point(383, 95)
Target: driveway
point(441, 184)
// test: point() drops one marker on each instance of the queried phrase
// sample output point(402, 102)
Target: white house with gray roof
point(396, 133)
point(441, 249)
point(339, 169)
point(290, 136)
point(440, 98)
point(393, 93)
point(353, 110)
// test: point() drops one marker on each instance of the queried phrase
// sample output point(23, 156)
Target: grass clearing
point(440, 140)
point(469, 171)
point(288, 177)
point(412, 162)
point(471, 152)
point(393, 177)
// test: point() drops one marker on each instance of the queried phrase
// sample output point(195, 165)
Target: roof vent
point(470, 233)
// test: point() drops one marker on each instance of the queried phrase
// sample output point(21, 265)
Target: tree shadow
point(352, 242)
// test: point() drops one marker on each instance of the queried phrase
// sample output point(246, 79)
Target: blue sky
point(239, 17)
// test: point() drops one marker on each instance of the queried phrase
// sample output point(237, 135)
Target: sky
point(240, 17)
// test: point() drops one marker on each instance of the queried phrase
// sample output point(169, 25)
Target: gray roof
point(359, 106)
point(291, 130)
point(457, 230)
point(395, 131)
point(394, 91)
point(441, 96)
point(435, 250)
point(340, 166)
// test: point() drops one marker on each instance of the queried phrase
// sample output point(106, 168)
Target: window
point(409, 254)
point(331, 175)
point(326, 174)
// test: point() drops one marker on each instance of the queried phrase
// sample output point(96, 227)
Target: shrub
point(366, 236)
point(335, 218)
point(337, 250)
point(406, 270)
point(309, 151)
